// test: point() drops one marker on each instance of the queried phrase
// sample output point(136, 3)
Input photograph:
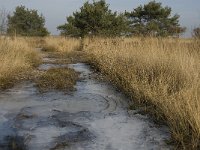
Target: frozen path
point(94, 117)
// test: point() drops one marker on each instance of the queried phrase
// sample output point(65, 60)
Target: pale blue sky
point(55, 11)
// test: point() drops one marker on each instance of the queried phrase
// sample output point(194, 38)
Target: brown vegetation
point(17, 59)
point(60, 44)
point(61, 51)
point(62, 79)
point(65, 50)
point(162, 74)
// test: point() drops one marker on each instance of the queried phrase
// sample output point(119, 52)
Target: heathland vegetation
point(160, 75)
point(138, 51)
point(17, 59)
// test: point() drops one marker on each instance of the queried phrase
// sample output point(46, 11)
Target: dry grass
point(66, 50)
point(61, 44)
point(63, 51)
point(163, 74)
point(62, 79)
point(17, 59)
point(35, 42)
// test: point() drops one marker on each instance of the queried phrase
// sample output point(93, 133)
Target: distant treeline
point(97, 19)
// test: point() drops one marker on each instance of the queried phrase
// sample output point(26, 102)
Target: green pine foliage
point(26, 22)
point(154, 20)
point(95, 19)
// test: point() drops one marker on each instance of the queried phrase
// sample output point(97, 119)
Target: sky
point(56, 11)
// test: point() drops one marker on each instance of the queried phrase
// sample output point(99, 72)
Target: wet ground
point(94, 117)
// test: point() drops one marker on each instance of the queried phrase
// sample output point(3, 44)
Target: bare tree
point(3, 21)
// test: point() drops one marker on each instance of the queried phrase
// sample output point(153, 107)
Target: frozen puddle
point(94, 117)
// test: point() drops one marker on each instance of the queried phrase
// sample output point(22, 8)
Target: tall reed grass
point(61, 44)
point(16, 59)
point(35, 42)
point(161, 73)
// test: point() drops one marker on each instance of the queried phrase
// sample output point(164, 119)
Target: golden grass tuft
point(163, 73)
point(66, 50)
point(61, 44)
point(17, 58)
point(62, 79)
point(35, 42)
